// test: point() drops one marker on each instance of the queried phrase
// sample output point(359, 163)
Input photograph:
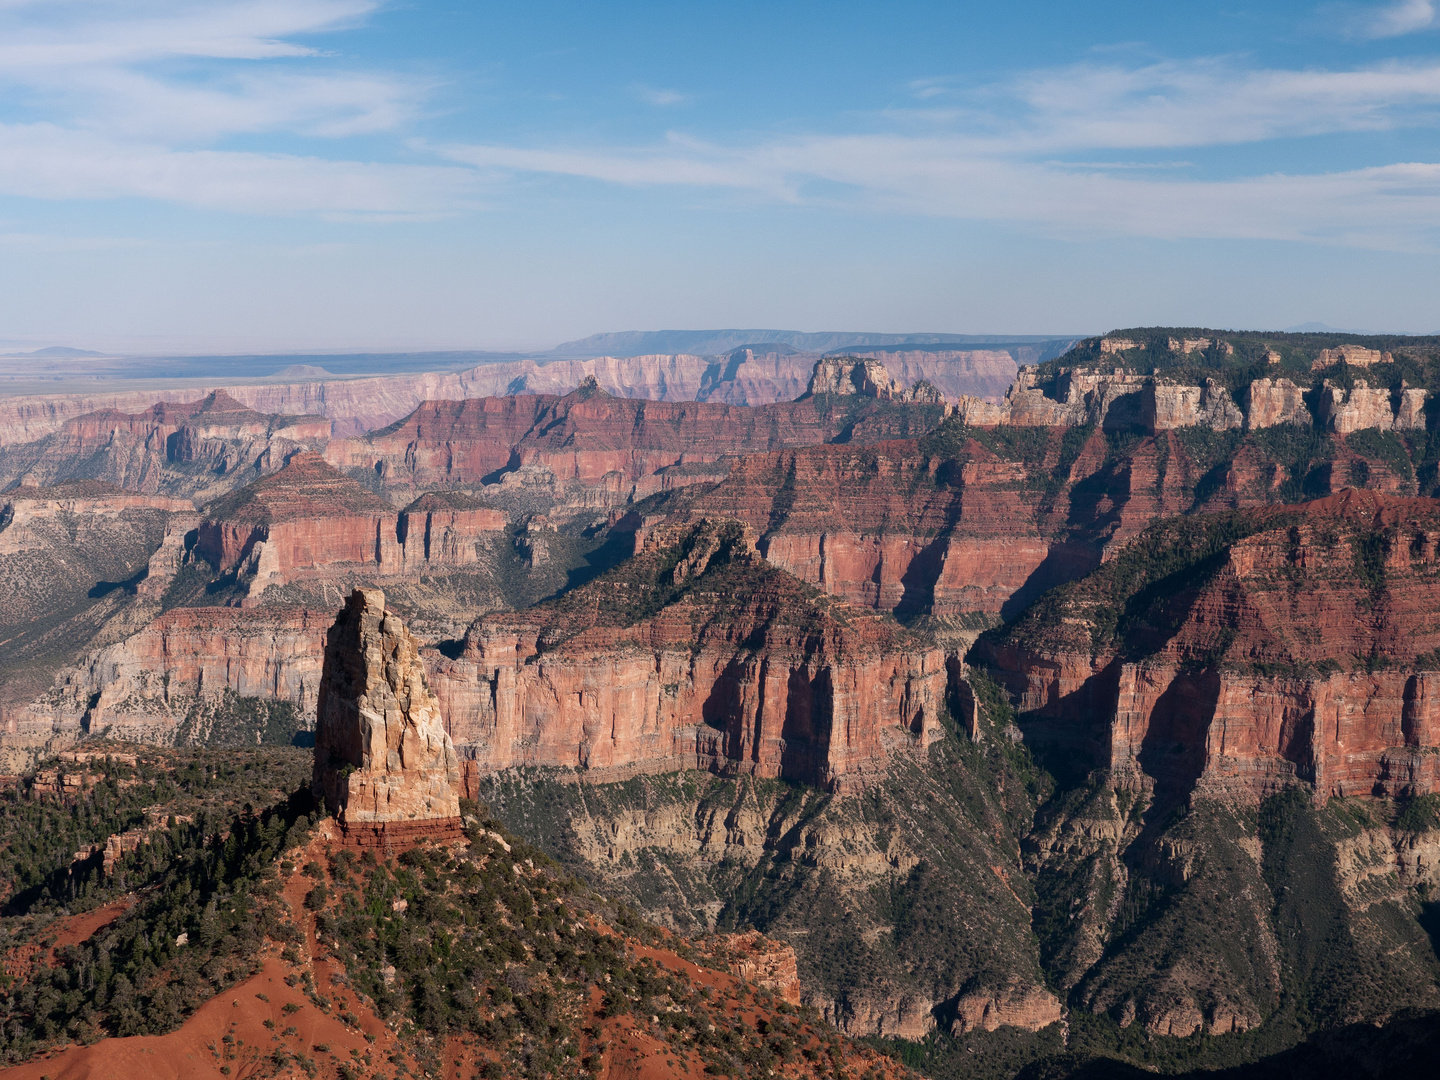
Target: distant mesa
point(721, 342)
point(60, 352)
point(303, 371)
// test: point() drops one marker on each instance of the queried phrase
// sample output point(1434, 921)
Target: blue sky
point(314, 174)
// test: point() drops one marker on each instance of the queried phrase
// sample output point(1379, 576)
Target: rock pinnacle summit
point(384, 764)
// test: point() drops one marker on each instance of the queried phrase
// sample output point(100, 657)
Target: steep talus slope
point(71, 559)
point(1237, 706)
point(905, 901)
point(694, 653)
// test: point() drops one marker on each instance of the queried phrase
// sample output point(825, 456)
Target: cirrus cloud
point(1001, 156)
point(43, 161)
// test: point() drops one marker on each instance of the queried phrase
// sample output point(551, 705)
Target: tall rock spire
point(383, 761)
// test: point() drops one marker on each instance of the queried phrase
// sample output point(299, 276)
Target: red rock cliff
point(1302, 647)
point(694, 654)
point(141, 688)
point(308, 520)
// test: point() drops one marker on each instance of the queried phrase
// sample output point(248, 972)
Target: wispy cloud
point(925, 89)
point(137, 97)
point(660, 98)
point(115, 32)
point(143, 98)
point(1392, 20)
point(45, 161)
point(1214, 102)
point(1393, 207)
point(111, 66)
point(994, 156)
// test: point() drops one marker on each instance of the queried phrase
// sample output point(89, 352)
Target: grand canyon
point(960, 711)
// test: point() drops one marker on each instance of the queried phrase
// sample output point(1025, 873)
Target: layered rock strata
point(383, 762)
point(194, 448)
point(756, 375)
point(608, 444)
point(951, 527)
point(309, 521)
point(1072, 397)
point(1300, 648)
point(695, 654)
point(1354, 355)
point(877, 528)
point(25, 510)
point(142, 689)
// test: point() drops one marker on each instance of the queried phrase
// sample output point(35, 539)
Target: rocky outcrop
point(1071, 397)
point(1362, 406)
point(1166, 405)
point(1410, 410)
point(383, 761)
point(1344, 411)
point(1354, 355)
point(1274, 402)
point(849, 375)
point(1304, 654)
point(1117, 345)
point(1186, 346)
point(1017, 1005)
point(769, 964)
point(695, 654)
point(980, 373)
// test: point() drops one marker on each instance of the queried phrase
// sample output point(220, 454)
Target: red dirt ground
point(198, 1049)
